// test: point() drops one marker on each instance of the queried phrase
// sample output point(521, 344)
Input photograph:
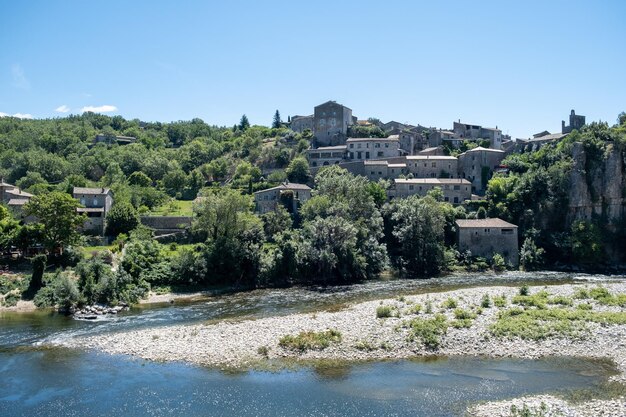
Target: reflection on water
point(57, 381)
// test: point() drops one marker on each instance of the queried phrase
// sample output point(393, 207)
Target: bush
point(429, 331)
point(450, 303)
point(486, 301)
point(524, 290)
point(384, 312)
point(310, 340)
point(498, 263)
point(499, 301)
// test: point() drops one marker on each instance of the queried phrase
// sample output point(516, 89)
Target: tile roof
point(480, 148)
point(427, 157)
point(389, 139)
point(288, 186)
point(495, 222)
point(17, 202)
point(19, 193)
point(91, 191)
point(328, 148)
point(432, 181)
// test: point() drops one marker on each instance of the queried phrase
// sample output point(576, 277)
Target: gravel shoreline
point(365, 337)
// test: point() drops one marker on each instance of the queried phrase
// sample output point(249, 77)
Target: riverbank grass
point(310, 340)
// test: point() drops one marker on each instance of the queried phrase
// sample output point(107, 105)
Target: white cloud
point(18, 115)
point(23, 115)
point(99, 109)
point(19, 79)
point(62, 109)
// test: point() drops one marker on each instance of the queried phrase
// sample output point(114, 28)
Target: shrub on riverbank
point(310, 340)
point(428, 330)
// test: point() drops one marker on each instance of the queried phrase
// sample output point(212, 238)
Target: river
point(37, 380)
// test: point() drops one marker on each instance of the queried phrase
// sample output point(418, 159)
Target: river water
point(38, 380)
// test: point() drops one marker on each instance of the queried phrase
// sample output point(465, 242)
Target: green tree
point(419, 229)
point(298, 170)
point(276, 221)
point(276, 122)
point(57, 213)
point(244, 124)
point(122, 218)
point(140, 179)
point(531, 256)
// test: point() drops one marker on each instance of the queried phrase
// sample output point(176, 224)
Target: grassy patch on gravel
point(539, 324)
point(310, 340)
point(428, 330)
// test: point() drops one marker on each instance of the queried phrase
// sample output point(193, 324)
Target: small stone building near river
point(96, 204)
point(486, 237)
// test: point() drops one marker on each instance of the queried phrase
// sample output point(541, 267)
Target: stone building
point(468, 131)
point(455, 190)
point(486, 237)
point(110, 140)
point(267, 200)
point(576, 121)
point(326, 155)
point(96, 204)
point(432, 166)
point(301, 123)
point(331, 121)
point(478, 164)
point(439, 137)
point(360, 149)
point(383, 169)
point(13, 198)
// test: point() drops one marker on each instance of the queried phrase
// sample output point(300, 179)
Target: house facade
point(382, 169)
point(96, 204)
point(477, 165)
point(432, 166)
point(267, 200)
point(331, 121)
point(13, 198)
point(486, 237)
point(301, 123)
point(326, 155)
point(455, 190)
point(361, 149)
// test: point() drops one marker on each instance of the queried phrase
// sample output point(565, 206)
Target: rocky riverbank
point(396, 330)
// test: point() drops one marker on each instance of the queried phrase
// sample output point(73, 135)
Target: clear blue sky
point(519, 65)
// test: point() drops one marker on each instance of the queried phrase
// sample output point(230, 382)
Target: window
point(456, 200)
point(507, 231)
point(351, 145)
point(386, 145)
point(446, 199)
point(434, 165)
point(358, 145)
point(380, 173)
point(457, 187)
point(351, 155)
point(367, 155)
point(95, 201)
point(372, 173)
point(82, 201)
point(412, 187)
point(380, 153)
point(377, 145)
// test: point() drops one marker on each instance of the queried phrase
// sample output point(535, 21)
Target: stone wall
point(166, 223)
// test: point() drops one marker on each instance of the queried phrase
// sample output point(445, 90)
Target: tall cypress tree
point(244, 123)
point(276, 123)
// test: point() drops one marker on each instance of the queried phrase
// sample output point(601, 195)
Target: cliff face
point(598, 191)
point(597, 187)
